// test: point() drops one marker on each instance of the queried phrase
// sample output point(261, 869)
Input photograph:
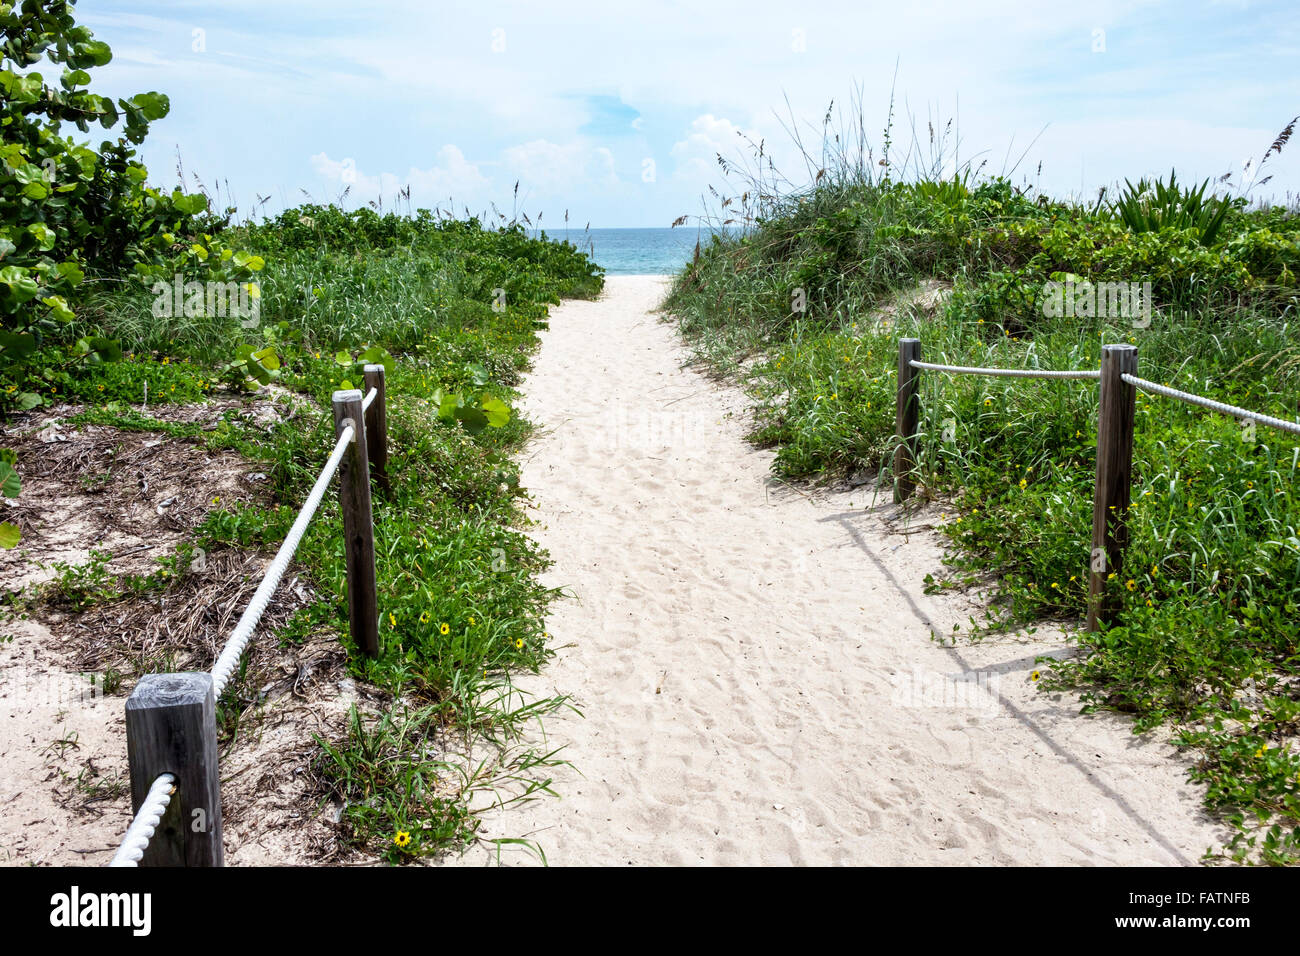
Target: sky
point(615, 112)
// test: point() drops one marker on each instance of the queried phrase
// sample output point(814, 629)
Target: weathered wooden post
point(907, 418)
point(171, 727)
point(1112, 494)
point(377, 427)
point(358, 524)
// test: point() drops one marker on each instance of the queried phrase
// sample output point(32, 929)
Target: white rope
point(145, 823)
point(370, 397)
point(1008, 372)
point(1211, 404)
point(239, 637)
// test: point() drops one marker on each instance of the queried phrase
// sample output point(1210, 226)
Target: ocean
point(635, 252)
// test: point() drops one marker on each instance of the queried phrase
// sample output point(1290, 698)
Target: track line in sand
point(754, 662)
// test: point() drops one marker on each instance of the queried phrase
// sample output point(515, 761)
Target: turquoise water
point(635, 252)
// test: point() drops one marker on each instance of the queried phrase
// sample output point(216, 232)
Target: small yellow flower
point(471, 622)
point(401, 838)
point(1023, 484)
point(166, 360)
point(519, 644)
point(444, 629)
point(1035, 675)
point(988, 403)
point(392, 621)
point(1130, 584)
point(424, 617)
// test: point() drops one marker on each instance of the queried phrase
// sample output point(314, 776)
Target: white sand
point(755, 663)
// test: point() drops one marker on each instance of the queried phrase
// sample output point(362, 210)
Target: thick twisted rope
point(1211, 404)
point(1008, 372)
point(155, 803)
point(239, 637)
point(145, 823)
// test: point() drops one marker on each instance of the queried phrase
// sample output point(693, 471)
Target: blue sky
point(615, 111)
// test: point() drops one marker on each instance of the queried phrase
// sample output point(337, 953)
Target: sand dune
point(755, 665)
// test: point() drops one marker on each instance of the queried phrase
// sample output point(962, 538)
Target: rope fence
point(248, 621)
point(1112, 494)
point(146, 821)
point(171, 731)
point(1009, 372)
point(1212, 405)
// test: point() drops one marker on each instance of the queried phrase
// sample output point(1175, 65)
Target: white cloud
point(549, 167)
point(696, 155)
point(451, 177)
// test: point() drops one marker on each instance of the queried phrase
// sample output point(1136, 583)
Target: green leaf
point(378, 355)
point(447, 407)
point(343, 358)
point(108, 350)
point(45, 236)
point(72, 272)
point(96, 51)
point(59, 306)
point(21, 285)
point(153, 106)
point(16, 345)
point(190, 205)
point(472, 418)
point(496, 411)
point(9, 535)
point(74, 78)
point(29, 400)
point(10, 483)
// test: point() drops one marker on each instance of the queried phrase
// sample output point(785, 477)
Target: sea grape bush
point(70, 213)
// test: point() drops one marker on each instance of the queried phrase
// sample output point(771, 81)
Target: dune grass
point(1210, 591)
point(453, 308)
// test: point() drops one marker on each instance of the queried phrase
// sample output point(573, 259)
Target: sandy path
point(755, 665)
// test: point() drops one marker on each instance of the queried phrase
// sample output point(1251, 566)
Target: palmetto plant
point(1152, 206)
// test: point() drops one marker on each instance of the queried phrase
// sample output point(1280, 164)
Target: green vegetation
point(97, 268)
point(1211, 586)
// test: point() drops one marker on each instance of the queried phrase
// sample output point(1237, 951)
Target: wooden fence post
point(377, 427)
point(171, 727)
point(1112, 494)
point(358, 524)
point(907, 419)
